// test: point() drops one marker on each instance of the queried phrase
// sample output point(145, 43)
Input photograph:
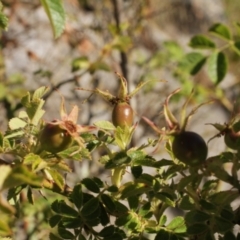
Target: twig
point(123, 55)
point(73, 79)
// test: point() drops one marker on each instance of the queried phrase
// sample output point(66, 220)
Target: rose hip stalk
point(188, 147)
point(122, 114)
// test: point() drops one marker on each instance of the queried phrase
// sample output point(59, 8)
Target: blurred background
point(142, 40)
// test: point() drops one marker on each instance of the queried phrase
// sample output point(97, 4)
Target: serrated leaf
point(221, 31)
point(63, 209)
point(192, 63)
point(197, 228)
point(217, 67)
point(133, 189)
point(16, 123)
point(33, 108)
point(133, 202)
point(54, 220)
point(162, 234)
point(224, 197)
point(104, 217)
point(90, 185)
point(107, 231)
point(40, 92)
point(201, 42)
point(90, 206)
point(56, 15)
point(136, 171)
point(185, 181)
point(112, 188)
point(3, 21)
point(5, 171)
point(54, 237)
point(197, 216)
point(108, 202)
point(164, 197)
point(21, 175)
point(144, 210)
point(105, 125)
point(80, 63)
point(72, 223)
point(77, 196)
point(222, 224)
point(177, 225)
point(65, 234)
point(57, 178)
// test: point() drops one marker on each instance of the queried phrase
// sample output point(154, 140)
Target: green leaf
point(5, 228)
point(90, 206)
point(124, 220)
point(3, 21)
point(90, 185)
point(63, 209)
point(56, 15)
point(133, 202)
point(65, 234)
point(222, 224)
point(81, 237)
point(40, 92)
point(236, 47)
point(5, 171)
point(191, 63)
point(221, 31)
point(162, 234)
point(80, 63)
point(108, 202)
point(77, 196)
point(136, 171)
point(107, 231)
point(16, 123)
point(33, 107)
point(66, 210)
point(21, 175)
point(133, 189)
point(196, 216)
point(163, 220)
point(106, 125)
point(104, 217)
point(54, 237)
point(99, 182)
point(223, 198)
point(112, 189)
point(177, 225)
point(217, 67)
point(201, 42)
point(72, 223)
point(54, 220)
point(197, 228)
point(185, 181)
point(57, 178)
point(166, 198)
point(229, 236)
point(145, 209)
point(118, 159)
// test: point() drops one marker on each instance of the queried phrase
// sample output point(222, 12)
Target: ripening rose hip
point(189, 148)
point(122, 115)
point(54, 139)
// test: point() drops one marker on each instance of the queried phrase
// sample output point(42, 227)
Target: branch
point(123, 55)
